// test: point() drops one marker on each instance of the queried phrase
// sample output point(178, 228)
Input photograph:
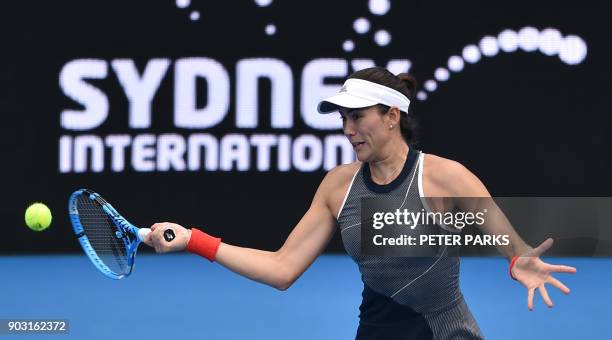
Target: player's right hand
point(156, 238)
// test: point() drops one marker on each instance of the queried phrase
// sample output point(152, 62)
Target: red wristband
point(512, 263)
point(203, 244)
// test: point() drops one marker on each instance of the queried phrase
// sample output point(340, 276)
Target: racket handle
point(168, 234)
point(142, 233)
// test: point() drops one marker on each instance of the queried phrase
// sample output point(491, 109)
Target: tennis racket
point(108, 239)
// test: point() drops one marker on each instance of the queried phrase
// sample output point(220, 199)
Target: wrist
point(187, 237)
point(511, 266)
point(202, 244)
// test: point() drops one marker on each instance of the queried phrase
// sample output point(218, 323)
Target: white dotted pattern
point(382, 38)
point(431, 85)
point(348, 46)
point(379, 7)
point(361, 25)
point(571, 50)
point(489, 46)
point(183, 3)
point(270, 29)
point(528, 39)
point(455, 63)
point(441, 74)
point(550, 41)
point(471, 54)
point(508, 41)
point(263, 3)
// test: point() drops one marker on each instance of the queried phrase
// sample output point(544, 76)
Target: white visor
point(357, 93)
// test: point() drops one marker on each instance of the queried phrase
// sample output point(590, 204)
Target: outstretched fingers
point(530, 294)
point(545, 296)
point(558, 284)
point(543, 247)
point(557, 268)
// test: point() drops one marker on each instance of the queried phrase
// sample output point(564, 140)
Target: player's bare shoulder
point(337, 182)
point(439, 174)
point(443, 177)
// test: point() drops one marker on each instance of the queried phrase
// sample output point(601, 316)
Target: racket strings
point(101, 232)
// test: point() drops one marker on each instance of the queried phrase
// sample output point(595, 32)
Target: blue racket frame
point(123, 226)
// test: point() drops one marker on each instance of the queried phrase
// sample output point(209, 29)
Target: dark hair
point(403, 83)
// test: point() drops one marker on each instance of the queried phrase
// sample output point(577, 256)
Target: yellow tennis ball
point(38, 217)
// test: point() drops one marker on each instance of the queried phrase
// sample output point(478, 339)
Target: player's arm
point(279, 268)
point(284, 266)
point(452, 179)
point(528, 269)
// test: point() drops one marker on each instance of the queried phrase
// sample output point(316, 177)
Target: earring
point(390, 126)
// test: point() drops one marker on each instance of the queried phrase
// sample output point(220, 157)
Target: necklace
point(401, 165)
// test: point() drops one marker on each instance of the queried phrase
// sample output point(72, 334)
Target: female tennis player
point(403, 297)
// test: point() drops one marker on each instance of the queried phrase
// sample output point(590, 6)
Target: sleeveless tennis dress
point(403, 297)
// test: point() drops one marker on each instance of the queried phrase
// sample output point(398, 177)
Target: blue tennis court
point(185, 297)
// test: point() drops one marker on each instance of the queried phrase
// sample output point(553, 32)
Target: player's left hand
point(534, 273)
point(156, 239)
